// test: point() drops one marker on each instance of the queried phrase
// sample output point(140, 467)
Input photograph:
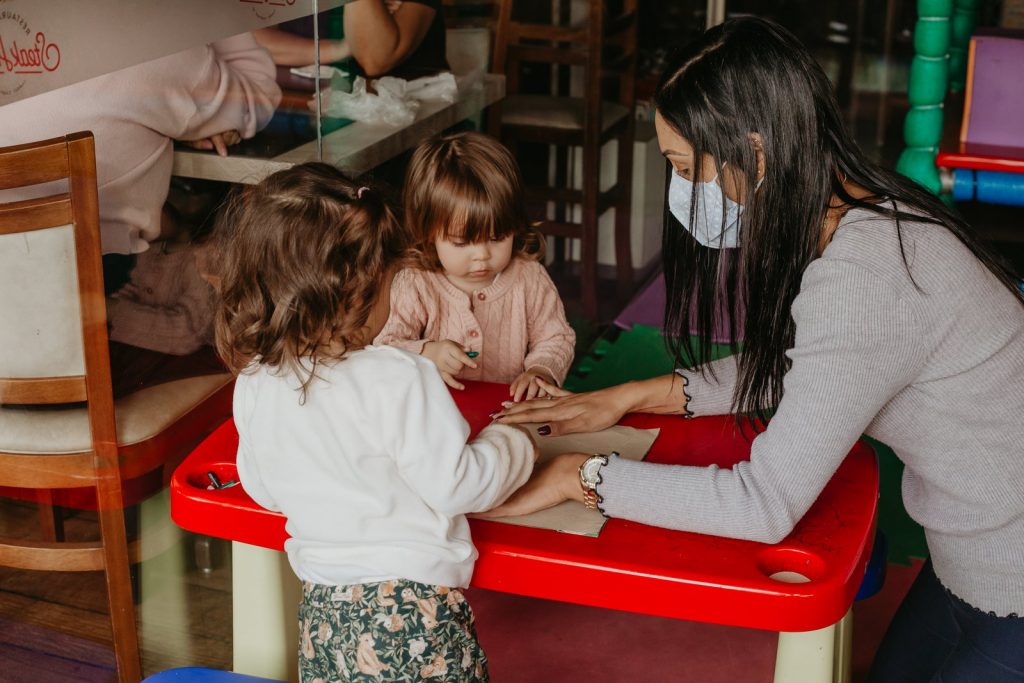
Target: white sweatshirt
point(373, 470)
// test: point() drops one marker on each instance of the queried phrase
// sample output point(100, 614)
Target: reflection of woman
point(870, 308)
point(385, 37)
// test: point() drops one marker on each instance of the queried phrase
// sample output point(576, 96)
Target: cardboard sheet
point(571, 516)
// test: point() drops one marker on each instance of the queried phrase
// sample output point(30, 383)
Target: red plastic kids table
point(629, 566)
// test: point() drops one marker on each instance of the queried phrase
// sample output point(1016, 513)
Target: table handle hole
point(791, 565)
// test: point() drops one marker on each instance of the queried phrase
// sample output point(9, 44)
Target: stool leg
point(588, 231)
point(805, 657)
point(265, 595)
point(51, 519)
point(623, 211)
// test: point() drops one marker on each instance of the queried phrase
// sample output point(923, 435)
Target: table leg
point(265, 595)
point(841, 666)
point(805, 657)
point(163, 609)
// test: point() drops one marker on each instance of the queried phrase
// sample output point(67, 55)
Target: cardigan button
point(481, 296)
point(474, 334)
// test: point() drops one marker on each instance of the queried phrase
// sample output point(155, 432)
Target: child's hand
point(526, 386)
point(449, 358)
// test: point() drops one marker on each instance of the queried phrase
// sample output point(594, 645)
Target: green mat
point(622, 355)
point(616, 356)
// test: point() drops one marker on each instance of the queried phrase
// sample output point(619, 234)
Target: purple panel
point(997, 98)
point(648, 308)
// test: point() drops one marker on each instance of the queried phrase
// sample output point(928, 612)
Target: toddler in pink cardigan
point(478, 304)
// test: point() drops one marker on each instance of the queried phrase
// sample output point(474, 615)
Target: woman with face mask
point(869, 308)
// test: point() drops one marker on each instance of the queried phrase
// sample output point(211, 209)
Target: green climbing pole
point(941, 36)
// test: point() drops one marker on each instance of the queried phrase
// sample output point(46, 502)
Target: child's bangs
point(467, 213)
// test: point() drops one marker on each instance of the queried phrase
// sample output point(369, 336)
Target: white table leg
point(163, 608)
point(805, 657)
point(266, 596)
point(842, 669)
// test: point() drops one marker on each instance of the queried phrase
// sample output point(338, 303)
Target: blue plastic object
point(991, 187)
point(194, 674)
point(874, 574)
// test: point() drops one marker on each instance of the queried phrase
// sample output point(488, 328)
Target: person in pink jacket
point(478, 303)
point(204, 94)
point(210, 95)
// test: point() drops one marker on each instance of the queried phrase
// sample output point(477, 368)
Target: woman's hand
point(568, 413)
point(449, 358)
point(556, 480)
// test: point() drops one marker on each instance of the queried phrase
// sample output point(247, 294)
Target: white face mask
point(708, 227)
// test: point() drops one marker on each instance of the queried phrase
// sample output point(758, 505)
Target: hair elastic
point(360, 191)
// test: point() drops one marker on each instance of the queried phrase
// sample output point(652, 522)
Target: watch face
point(590, 470)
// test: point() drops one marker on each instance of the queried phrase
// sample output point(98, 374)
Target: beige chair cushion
point(565, 113)
point(40, 318)
point(140, 416)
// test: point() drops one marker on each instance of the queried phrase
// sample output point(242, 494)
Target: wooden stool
point(605, 47)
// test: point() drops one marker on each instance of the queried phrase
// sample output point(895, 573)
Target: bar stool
point(604, 45)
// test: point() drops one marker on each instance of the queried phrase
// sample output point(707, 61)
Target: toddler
point(479, 304)
point(361, 447)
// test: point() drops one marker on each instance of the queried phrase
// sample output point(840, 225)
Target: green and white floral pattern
point(389, 631)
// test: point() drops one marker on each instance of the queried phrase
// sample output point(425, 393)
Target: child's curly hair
point(466, 186)
point(304, 256)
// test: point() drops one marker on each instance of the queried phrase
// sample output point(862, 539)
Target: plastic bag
point(395, 102)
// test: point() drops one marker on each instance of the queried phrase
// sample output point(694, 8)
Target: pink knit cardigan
point(516, 322)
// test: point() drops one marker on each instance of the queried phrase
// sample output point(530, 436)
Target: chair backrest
point(603, 45)
point(53, 341)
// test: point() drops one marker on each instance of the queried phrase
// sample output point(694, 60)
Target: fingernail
point(544, 430)
point(507, 404)
point(495, 414)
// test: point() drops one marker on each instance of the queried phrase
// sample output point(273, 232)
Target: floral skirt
point(389, 631)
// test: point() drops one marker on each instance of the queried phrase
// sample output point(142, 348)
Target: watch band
point(591, 498)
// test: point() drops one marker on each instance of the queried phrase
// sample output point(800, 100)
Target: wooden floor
point(54, 626)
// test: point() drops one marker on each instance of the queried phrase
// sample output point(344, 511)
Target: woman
point(401, 38)
point(869, 308)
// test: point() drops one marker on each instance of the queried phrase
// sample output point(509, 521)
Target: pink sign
point(47, 45)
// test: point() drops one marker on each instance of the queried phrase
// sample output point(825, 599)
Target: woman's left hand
point(568, 413)
point(556, 480)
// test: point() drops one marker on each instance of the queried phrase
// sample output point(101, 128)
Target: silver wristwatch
point(590, 477)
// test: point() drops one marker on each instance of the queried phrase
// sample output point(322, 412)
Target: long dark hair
point(750, 75)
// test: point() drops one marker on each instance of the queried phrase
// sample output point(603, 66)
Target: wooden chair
point(54, 351)
point(605, 47)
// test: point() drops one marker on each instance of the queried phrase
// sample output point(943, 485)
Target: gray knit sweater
point(934, 371)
